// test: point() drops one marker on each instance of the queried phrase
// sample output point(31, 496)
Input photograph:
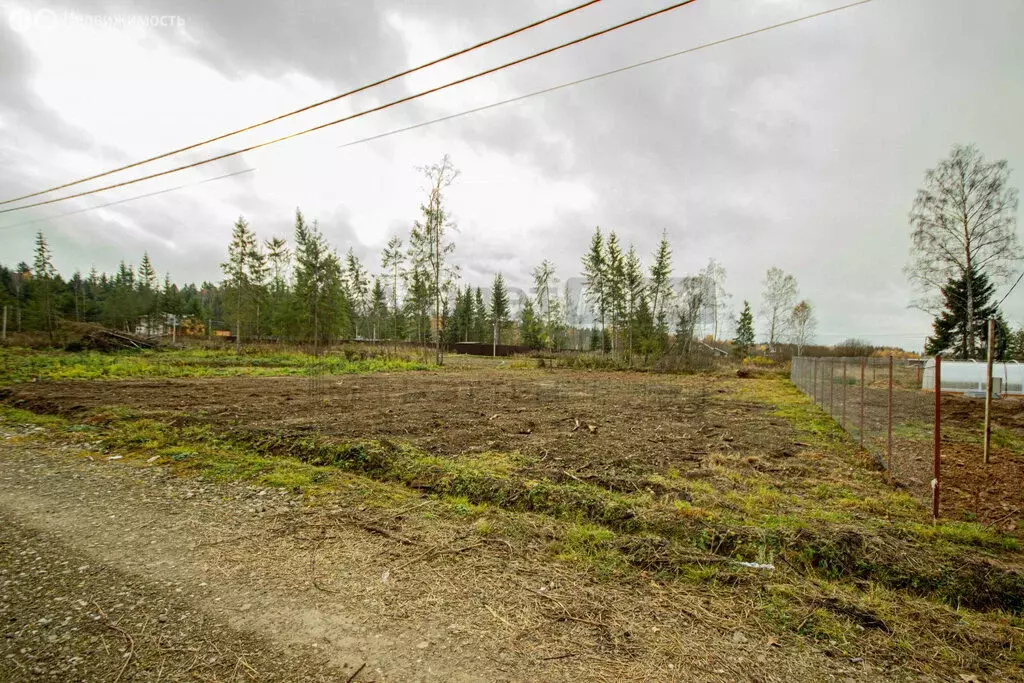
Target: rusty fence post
point(843, 420)
point(988, 389)
point(937, 439)
point(863, 362)
point(888, 447)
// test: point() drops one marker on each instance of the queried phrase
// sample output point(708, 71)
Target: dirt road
point(118, 572)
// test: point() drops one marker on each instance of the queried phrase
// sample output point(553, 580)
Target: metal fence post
point(814, 384)
point(988, 388)
point(888, 447)
point(831, 384)
point(863, 363)
point(843, 420)
point(936, 448)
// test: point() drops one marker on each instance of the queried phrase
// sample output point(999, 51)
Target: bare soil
point(992, 493)
point(113, 571)
point(606, 428)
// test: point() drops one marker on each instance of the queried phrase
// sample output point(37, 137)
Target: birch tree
point(963, 221)
point(803, 325)
point(430, 238)
point(777, 299)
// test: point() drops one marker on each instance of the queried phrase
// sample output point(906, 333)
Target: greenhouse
point(967, 376)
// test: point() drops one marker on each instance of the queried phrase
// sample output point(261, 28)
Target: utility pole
point(3, 336)
point(494, 346)
point(988, 387)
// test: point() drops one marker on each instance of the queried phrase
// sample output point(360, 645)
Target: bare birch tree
point(429, 239)
point(778, 296)
point(963, 220)
point(803, 325)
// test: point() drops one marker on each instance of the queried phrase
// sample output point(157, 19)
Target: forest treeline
point(304, 290)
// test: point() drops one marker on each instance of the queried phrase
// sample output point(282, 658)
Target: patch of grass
point(21, 365)
point(963, 533)
point(788, 402)
point(592, 547)
point(25, 417)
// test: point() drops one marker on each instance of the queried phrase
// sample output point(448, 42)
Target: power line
point(1011, 290)
point(393, 103)
point(130, 199)
point(499, 103)
point(314, 105)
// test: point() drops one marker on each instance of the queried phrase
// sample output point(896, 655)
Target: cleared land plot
point(641, 481)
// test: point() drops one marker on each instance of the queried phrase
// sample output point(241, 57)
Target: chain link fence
point(880, 404)
point(890, 408)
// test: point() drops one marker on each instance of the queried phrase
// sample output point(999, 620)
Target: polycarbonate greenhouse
point(965, 376)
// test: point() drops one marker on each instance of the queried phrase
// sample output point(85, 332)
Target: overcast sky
point(799, 148)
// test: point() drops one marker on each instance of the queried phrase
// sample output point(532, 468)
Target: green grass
point(22, 365)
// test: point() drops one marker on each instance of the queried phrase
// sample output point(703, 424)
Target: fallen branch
point(356, 673)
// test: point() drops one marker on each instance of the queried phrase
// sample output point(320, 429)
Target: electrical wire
point(314, 105)
point(131, 199)
point(493, 105)
point(372, 110)
point(1010, 291)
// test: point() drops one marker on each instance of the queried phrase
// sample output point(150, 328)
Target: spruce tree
point(595, 275)
point(530, 330)
point(615, 276)
point(661, 288)
point(319, 293)
point(499, 309)
point(480, 331)
point(953, 331)
point(44, 276)
point(744, 340)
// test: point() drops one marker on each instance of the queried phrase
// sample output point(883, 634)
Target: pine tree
point(258, 269)
point(378, 307)
point(951, 328)
point(744, 340)
point(43, 284)
point(530, 330)
point(499, 309)
point(237, 270)
point(661, 288)
point(278, 262)
point(633, 291)
point(1015, 345)
point(643, 330)
point(319, 294)
point(616, 287)
point(595, 275)
point(171, 303)
point(418, 301)
point(391, 261)
point(148, 292)
point(480, 331)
